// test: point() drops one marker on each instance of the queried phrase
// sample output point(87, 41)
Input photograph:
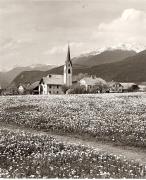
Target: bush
point(77, 89)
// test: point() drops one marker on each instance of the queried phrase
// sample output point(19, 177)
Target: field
point(116, 118)
point(40, 156)
point(120, 118)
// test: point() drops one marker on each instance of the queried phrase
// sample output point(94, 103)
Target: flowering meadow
point(23, 154)
point(118, 118)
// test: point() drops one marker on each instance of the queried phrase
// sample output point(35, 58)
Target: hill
point(27, 77)
point(108, 56)
point(132, 69)
point(7, 77)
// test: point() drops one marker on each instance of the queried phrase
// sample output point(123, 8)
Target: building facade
point(91, 82)
point(115, 87)
point(53, 83)
point(118, 87)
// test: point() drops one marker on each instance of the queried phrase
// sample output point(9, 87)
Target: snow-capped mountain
point(125, 47)
point(103, 56)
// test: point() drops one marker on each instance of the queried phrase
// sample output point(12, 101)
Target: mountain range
point(118, 65)
point(108, 56)
point(7, 77)
point(130, 69)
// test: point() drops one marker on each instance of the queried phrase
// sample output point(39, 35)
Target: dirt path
point(130, 153)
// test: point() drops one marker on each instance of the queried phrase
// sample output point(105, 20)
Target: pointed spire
point(68, 54)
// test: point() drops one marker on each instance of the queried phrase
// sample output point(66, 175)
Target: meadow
point(27, 155)
point(117, 118)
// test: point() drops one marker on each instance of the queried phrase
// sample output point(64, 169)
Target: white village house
point(53, 83)
point(20, 89)
point(118, 87)
point(90, 82)
point(115, 87)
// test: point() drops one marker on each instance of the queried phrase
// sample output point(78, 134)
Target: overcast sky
point(37, 31)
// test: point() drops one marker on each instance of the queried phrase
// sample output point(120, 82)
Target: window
point(57, 86)
point(68, 71)
point(50, 75)
point(49, 92)
point(50, 86)
point(57, 92)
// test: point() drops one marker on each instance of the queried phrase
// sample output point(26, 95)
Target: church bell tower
point(68, 70)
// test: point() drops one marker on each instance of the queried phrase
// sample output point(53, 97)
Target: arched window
point(68, 71)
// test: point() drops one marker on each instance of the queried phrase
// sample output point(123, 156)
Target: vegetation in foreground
point(40, 156)
point(118, 118)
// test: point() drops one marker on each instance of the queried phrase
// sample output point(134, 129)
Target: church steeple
point(68, 69)
point(68, 55)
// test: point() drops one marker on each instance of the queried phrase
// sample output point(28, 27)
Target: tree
point(65, 88)
point(76, 89)
point(100, 87)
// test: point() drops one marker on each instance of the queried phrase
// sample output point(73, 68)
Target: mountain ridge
point(7, 77)
point(28, 77)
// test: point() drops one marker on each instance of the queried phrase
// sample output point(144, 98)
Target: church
point(53, 83)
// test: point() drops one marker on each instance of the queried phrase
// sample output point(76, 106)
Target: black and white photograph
point(73, 89)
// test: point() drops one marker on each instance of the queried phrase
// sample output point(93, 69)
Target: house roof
point(34, 85)
point(142, 86)
point(53, 79)
point(124, 85)
point(127, 85)
point(113, 83)
point(92, 81)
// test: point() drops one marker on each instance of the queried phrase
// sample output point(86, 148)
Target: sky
point(38, 31)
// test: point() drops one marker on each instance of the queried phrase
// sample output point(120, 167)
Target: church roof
point(68, 56)
point(53, 79)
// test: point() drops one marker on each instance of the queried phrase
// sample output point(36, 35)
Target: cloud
point(62, 49)
point(130, 27)
point(9, 44)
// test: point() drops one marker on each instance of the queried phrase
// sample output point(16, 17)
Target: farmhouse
point(53, 83)
point(129, 87)
point(142, 88)
point(20, 89)
point(91, 82)
point(115, 87)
